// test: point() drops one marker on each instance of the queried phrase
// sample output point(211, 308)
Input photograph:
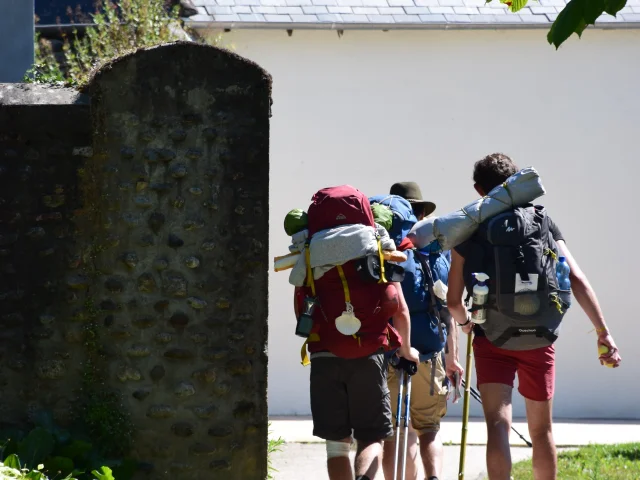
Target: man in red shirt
point(496, 367)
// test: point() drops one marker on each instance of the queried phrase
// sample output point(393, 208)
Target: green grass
point(595, 462)
point(274, 445)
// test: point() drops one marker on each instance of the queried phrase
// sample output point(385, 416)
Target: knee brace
point(337, 449)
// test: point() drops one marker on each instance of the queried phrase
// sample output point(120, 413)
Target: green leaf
point(516, 5)
point(58, 465)
point(614, 6)
point(126, 470)
point(76, 450)
point(105, 473)
point(12, 461)
point(37, 446)
point(592, 10)
point(569, 21)
point(581, 27)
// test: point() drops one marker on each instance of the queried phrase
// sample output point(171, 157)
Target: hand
point(410, 354)
point(612, 357)
point(453, 366)
point(468, 327)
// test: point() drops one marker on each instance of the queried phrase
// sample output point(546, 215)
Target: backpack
point(374, 302)
point(517, 251)
point(421, 270)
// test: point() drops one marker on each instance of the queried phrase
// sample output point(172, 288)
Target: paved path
point(567, 433)
point(304, 456)
point(307, 461)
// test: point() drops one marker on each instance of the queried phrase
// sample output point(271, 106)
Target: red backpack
point(373, 303)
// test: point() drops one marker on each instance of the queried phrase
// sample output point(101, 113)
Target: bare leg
point(539, 417)
point(369, 459)
point(412, 457)
point(496, 400)
point(432, 454)
point(339, 468)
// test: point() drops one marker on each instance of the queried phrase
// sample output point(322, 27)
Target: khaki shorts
point(426, 410)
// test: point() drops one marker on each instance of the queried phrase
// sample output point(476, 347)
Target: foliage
point(55, 453)
point(574, 18)
point(274, 445)
point(117, 30)
point(595, 462)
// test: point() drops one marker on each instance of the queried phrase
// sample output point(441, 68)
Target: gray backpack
point(518, 252)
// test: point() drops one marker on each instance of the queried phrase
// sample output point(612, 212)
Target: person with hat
point(431, 330)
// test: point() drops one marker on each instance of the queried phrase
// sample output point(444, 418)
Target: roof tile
point(406, 18)
point(265, 10)
point(253, 17)
point(304, 18)
point(365, 10)
point(351, 18)
point(227, 18)
point(458, 18)
point(391, 12)
point(401, 3)
point(443, 10)
point(289, 10)
point(417, 10)
point(465, 10)
point(380, 18)
point(277, 18)
point(438, 18)
point(329, 18)
point(313, 10)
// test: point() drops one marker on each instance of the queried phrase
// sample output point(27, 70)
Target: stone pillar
point(44, 133)
point(175, 218)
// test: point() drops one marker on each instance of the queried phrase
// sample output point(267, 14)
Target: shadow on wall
point(133, 264)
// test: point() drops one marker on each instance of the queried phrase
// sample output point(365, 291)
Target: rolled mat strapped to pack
point(454, 228)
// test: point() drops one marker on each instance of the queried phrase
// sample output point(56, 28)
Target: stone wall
point(164, 285)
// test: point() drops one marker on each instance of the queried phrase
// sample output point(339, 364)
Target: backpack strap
point(435, 304)
point(307, 258)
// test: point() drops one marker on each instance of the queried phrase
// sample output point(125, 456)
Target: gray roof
point(389, 14)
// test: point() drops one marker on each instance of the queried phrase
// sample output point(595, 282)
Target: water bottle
point(562, 274)
point(480, 296)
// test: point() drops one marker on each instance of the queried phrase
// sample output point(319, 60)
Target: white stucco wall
point(373, 108)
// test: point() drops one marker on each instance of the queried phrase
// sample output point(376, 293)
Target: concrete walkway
point(304, 455)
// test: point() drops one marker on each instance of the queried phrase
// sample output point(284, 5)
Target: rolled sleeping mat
point(454, 228)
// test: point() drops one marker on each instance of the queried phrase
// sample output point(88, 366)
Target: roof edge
point(200, 25)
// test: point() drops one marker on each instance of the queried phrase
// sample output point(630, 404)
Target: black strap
point(540, 332)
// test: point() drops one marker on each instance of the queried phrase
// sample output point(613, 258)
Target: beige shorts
point(426, 410)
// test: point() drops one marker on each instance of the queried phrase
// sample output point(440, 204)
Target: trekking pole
point(476, 395)
point(398, 417)
point(465, 408)
point(407, 419)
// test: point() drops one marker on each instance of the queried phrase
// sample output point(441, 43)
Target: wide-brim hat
point(411, 192)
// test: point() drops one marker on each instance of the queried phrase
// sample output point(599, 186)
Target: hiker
point(530, 351)
point(350, 306)
point(430, 329)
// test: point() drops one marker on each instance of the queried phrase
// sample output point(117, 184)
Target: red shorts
point(536, 368)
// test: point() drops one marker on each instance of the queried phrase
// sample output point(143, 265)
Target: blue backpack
point(422, 269)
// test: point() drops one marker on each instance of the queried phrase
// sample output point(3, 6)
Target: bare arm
point(402, 323)
point(586, 297)
point(456, 289)
point(583, 291)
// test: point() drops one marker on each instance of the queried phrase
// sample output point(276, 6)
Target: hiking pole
point(405, 369)
point(476, 395)
point(465, 408)
point(398, 417)
point(407, 419)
